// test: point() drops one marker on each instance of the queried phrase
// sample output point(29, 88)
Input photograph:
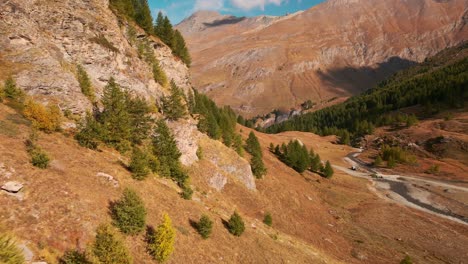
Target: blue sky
point(177, 10)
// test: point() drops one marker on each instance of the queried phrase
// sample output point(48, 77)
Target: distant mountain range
point(335, 49)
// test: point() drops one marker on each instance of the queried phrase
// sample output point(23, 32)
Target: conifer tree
point(180, 49)
point(159, 75)
point(268, 220)
point(328, 170)
point(143, 15)
point(161, 242)
point(236, 224)
point(165, 148)
point(174, 105)
point(258, 168)
point(129, 213)
point(85, 83)
point(139, 164)
point(252, 144)
point(11, 91)
point(140, 119)
point(90, 132)
point(316, 163)
point(204, 226)
point(378, 161)
point(109, 247)
point(115, 118)
point(158, 26)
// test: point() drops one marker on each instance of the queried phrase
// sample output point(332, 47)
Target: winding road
point(404, 189)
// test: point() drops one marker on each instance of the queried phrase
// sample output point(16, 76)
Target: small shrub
point(102, 40)
point(434, 169)
point(268, 220)
point(159, 75)
point(161, 241)
point(74, 257)
point(187, 192)
point(109, 248)
point(199, 153)
point(11, 91)
point(378, 161)
point(39, 158)
point(47, 119)
point(204, 226)
point(236, 224)
point(9, 252)
point(406, 260)
point(129, 213)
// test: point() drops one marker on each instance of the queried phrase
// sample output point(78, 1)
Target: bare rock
point(109, 178)
point(186, 135)
point(217, 181)
point(12, 187)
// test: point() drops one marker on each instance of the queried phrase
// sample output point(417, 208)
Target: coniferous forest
point(139, 11)
point(436, 84)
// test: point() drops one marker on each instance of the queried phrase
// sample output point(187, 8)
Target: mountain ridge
point(327, 51)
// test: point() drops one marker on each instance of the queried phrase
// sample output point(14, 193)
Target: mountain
point(91, 134)
point(335, 49)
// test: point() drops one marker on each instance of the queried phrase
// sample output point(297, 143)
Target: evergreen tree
point(158, 27)
point(236, 224)
point(129, 213)
point(161, 242)
point(165, 148)
point(328, 170)
point(74, 257)
point(174, 105)
point(258, 168)
point(140, 119)
point(204, 226)
point(109, 247)
point(180, 49)
point(252, 144)
point(115, 118)
point(316, 163)
point(11, 91)
point(268, 220)
point(159, 75)
point(85, 83)
point(139, 164)
point(167, 32)
point(90, 132)
point(143, 15)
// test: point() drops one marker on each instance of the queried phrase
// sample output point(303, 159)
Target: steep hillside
point(43, 41)
point(338, 48)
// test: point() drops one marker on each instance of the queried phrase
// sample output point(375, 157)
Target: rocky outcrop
point(338, 48)
point(42, 42)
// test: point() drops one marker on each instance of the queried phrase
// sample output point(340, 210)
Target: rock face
point(337, 48)
point(42, 42)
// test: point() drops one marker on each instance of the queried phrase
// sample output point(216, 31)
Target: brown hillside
point(338, 48)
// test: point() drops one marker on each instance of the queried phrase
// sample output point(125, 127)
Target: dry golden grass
point(314, 220)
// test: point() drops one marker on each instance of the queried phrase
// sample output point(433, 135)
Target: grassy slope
point(314, 220)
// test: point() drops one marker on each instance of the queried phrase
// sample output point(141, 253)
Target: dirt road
point(410, 191)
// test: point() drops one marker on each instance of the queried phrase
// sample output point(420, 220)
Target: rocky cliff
point(43, 41)
point(338, 48)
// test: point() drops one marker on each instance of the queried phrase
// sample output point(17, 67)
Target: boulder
point(12, 187)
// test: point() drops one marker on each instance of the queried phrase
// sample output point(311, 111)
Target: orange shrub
point(43, 118)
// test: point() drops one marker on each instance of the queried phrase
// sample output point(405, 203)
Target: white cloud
point(251, 4)
point(209, 5)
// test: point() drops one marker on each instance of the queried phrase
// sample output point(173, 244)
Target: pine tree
point(316, 163)
point(90, 132)
point(268, 220)
point(85, 83)
point(159, 75)
point(204, 226)
point(180, 49)
point(252, 144)
point(139, 164)
point(140, 119)
point(11, 90)
point(167, 32)
point(161, 242)
point(109, 247)
point(143, 15)
point(165, 148)
point(328, 170)
point(115, 117)
point(129, 213)
point(174, 105)
point(258, 168)
point(158, 27)
point(236, 224)
point(74, 257)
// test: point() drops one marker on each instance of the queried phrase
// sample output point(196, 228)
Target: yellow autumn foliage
point(43, 118)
